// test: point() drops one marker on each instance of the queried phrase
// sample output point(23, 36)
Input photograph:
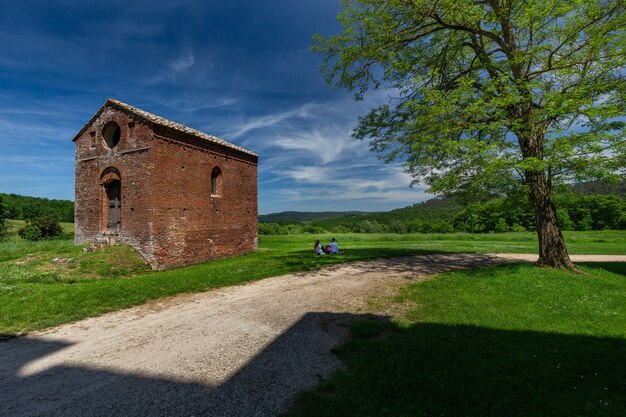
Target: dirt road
point(238, 351)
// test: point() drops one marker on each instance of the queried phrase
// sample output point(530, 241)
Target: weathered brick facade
point(175, 194)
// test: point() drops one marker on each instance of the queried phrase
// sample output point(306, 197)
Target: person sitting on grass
point(334, 248)
point(317, 248)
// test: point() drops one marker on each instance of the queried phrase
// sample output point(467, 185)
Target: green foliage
point(594, 212)
point(498, 215)
point(564, 220)
point(25, 208)
point(43, 227)
point(396, 226)
point(575, 212)
point(30, 232)
point(419, 218)
point(490, 97)
point(484, 93)
point(501, 226)
point(3, 216)
point(368, 226)
point(582, 212)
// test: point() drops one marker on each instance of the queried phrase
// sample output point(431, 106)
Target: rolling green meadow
point(50, 282)
point(501, 340)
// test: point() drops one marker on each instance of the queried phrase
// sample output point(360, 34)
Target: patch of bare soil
point(238, 351)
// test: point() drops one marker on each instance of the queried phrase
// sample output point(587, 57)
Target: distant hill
point(306, 216)
point(599, 188)
point(433, 210)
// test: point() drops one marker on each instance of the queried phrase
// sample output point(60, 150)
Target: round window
point(111, 134)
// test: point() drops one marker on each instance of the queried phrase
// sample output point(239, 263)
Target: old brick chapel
point(177, 195)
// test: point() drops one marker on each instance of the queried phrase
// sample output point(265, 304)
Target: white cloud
point(182, 63)
point(325, 144)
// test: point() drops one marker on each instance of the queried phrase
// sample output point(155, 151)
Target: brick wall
point(167, 210)
point(191, 224)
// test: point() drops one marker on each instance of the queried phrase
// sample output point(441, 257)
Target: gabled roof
point(158, 120)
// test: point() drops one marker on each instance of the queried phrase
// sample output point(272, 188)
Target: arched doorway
point(114, 203)
point(111, 198)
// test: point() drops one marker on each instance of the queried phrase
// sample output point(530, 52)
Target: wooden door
point(114, 195)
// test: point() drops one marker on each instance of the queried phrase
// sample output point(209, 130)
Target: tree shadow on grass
point(404, 262)
point(618, 268)
point(455, 370)
point(306, 260)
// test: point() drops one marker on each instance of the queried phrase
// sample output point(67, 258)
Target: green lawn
point(595, 242)
point(510, 340)
point(46, 283)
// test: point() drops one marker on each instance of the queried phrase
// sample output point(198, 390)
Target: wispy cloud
point(175, 69)
point(182, 63)
point(272, 120)
point(192, 103)
point(326, 144)
point(308, 154)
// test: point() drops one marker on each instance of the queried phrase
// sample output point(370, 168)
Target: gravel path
point(238, 351)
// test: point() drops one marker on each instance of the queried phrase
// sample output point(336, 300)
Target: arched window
point(216, 181)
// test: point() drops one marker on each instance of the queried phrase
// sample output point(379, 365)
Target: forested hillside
point(24, 208)
point(577, 210)
point(306, 216)
point(597, 187)
point(412, 218)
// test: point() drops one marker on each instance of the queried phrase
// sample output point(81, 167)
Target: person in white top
point(318, 248)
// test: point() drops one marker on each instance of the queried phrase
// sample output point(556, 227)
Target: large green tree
point(490, 95)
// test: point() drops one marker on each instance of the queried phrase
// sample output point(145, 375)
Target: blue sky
point(240, 70)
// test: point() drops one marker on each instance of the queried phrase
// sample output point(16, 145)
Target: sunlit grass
point(51, 282)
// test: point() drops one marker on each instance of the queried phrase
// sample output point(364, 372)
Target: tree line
point(19, 207)
point(512, 214)
point(3, 216)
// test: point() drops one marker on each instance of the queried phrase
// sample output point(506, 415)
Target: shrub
point(396, 226)
point(442, 227)
point(269, 229)
point(371, 227)
point(43, 227)
point(502, 226)
point(313, 229)
point(30, 232)
point(565, 221)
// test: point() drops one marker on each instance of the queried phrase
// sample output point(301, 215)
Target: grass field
point(46, 283)
point(596, 242)
point(511, 340)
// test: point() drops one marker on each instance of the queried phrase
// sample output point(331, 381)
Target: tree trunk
point(552, 250)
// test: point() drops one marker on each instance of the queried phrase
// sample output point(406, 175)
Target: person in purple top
point(333, 245)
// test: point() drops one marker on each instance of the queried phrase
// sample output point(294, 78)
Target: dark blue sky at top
point(240, 70)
